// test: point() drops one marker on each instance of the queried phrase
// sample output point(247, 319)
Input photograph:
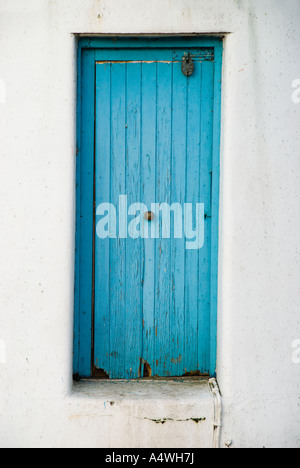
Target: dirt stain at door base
point(145, 370)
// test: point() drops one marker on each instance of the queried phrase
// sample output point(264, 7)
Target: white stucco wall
point(259, 292)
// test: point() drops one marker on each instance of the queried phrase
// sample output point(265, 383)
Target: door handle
point(149, 216)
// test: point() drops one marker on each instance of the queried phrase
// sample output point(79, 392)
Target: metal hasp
point(187, 66)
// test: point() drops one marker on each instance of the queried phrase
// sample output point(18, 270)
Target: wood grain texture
point(155, 143)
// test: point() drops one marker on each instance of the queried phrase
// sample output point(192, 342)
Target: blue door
point(148, 209)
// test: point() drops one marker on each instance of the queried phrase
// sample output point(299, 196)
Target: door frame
point(85, 185)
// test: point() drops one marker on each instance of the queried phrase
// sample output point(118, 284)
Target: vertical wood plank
point(194, 98)
point(178, 350)
point(148, 177)
point(133, 303)
point(163, 183)
point(86, 213)
point(207, 90)
point(118, 246)
point(78, 218)
point(102, 195)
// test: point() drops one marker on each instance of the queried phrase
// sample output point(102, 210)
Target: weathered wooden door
point(155, 197)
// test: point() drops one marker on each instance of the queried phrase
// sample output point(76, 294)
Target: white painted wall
point(259, 295)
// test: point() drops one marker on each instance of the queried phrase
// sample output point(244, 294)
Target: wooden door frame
point(85, 165)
